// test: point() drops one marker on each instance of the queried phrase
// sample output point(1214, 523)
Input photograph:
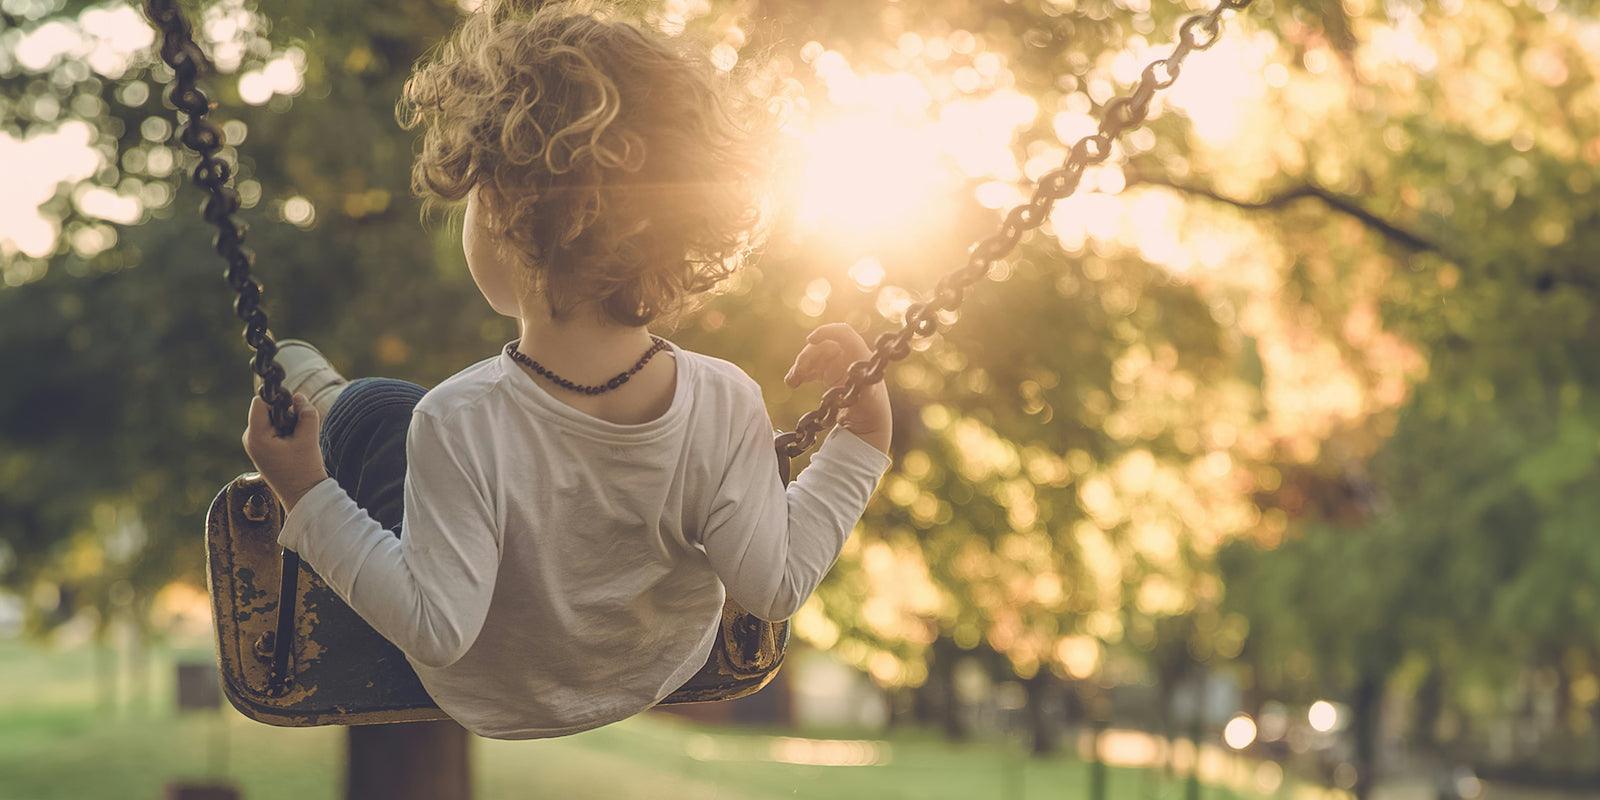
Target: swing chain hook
point(923, 319)
point(212, 174)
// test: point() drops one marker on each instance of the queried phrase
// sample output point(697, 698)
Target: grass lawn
point(55, 744)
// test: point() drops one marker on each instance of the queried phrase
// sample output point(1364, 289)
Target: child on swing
point(577, 506)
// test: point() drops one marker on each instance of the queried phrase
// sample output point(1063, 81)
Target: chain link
point(1198, 32)
point(213, 174)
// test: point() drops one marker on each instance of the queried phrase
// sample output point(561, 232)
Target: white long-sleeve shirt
point(558, 572)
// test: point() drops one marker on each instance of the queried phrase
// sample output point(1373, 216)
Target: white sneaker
point(306, 371)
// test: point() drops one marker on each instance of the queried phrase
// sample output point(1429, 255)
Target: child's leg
point(364, 444)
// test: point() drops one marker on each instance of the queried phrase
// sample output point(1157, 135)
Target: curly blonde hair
point(614, 164)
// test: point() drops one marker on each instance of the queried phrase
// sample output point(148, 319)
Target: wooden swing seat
point(341, 671)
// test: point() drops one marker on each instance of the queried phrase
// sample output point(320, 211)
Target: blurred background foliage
point(1301, 388)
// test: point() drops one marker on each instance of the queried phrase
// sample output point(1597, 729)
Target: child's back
point(570, 522)
point(590, 552)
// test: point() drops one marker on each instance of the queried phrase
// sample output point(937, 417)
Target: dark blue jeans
point(364, 444)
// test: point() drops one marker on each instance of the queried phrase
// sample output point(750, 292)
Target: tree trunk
point(1365, 706)
point(105, 671)
point(1169, 730)
point(953, 711)
point(1171, 671)
point(947, 696)
point(1430, 707)
point(1197, 723)
point(1191, 783)
point(138, 669)
point(1044, 713)
point(415, 761)
point(1564, 729)
point(1097, 765)
point(902, 707)
point(924, 700)
point(1594, 715)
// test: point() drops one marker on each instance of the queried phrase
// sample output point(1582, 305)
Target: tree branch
point(1307, 191)
point(1416, 243)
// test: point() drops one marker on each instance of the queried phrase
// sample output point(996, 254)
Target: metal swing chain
point(1198, 32)
point(213, 174)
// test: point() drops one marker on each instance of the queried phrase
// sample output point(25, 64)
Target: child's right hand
point(827, 356)
point(291, 464)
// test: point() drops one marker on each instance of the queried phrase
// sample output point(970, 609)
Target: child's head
point(602, 163)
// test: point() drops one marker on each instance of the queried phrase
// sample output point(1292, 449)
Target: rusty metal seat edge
point(685, 695)
point(735, 682)
point(221, 529)
point(219, 579)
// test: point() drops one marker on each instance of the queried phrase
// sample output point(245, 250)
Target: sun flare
point(884, 150)
point(866, 172)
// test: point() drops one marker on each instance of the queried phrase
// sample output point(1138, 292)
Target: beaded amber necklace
point(658, 344)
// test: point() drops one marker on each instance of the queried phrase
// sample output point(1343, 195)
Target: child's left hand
point(827, 356)
point(290, 464)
